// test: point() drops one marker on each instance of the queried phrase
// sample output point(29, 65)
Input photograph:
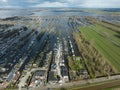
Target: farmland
point(59, 49)
point(104, 43)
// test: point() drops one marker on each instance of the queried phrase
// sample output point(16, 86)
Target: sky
point(60, 3)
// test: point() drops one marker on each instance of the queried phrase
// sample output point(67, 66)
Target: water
point(61, 12)
point(4, 13)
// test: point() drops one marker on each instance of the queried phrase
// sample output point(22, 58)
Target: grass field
point(110, 51)
point(111, 34)
point(75, 64)
point(113, 88)
point(80, 64)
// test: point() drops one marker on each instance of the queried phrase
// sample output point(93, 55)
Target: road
point(102, 86)
point(111, 81)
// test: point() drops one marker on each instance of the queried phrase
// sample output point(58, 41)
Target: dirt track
point(102, 86)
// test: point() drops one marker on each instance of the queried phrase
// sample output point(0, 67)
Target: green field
point(109, 33)
point(75, 64)
point(104, 45)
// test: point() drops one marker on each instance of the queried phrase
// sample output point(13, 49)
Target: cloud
point(43, 1)
point(32, 1)
point(51, 4)
point(101, 4)
point(62, 3)
point(5, 1)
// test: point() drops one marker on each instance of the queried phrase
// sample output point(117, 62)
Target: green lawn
point(103, 45)
point(75, 64)
point(80, 64)
point(111, 34)
point(72, 64)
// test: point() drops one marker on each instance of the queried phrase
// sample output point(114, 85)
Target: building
point(52, 77)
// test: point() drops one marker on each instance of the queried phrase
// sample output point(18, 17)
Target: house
point(52, 77)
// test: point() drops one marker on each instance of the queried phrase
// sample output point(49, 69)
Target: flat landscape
point(104, 42)
point(59, 49)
